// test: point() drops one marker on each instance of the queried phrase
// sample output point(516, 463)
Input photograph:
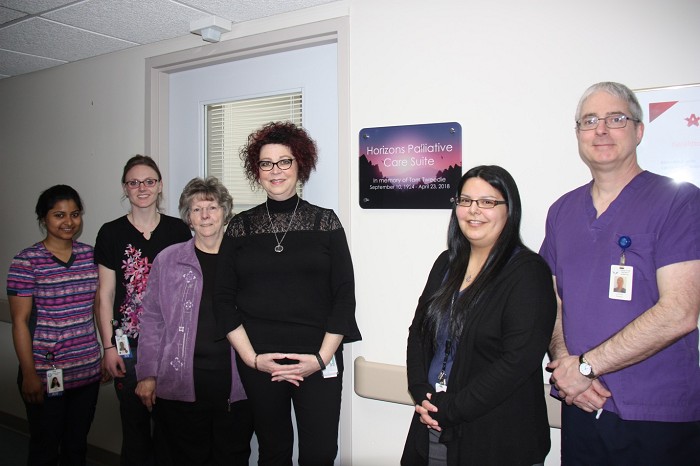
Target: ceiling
point(39, 34)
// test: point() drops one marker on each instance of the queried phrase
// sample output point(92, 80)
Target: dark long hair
point(439, 305)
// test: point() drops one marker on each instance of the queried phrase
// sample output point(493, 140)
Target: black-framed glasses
point(148, 182)
point(283, 164)
point(616, 121)
point(481, 203)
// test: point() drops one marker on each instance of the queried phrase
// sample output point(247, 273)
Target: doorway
point(311, 71)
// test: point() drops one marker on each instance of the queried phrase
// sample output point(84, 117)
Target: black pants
point(142, 443)
point(612, 441)
point(317, 408)
point(59, 426)
point(206, 433)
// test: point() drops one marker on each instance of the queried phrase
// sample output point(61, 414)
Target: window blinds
point(227, 128)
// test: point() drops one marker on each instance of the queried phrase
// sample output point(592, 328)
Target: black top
point(122, 248)
point(212, 355)
point(287, 301)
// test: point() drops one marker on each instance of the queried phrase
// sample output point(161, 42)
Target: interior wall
point(509, 72)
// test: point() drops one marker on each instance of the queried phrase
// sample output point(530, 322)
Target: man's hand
point(594, 398)
point(567, 378)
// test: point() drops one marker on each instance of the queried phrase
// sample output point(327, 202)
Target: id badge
point(331, 369)
point(621, 282)
point(440, 387)
point(54, 382)
point(122, 344)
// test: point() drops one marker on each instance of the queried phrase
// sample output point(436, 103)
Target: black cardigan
point(494, 411)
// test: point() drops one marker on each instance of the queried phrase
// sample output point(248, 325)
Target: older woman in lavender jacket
point(186, 375)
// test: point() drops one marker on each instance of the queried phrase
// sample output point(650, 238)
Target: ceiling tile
point(34, 6)
point(140, 22)
point(7, 15)
point(245, 10)
point(50, 32)
point(14, 63)
point(40, 37)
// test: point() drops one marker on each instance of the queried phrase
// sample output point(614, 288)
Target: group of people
point(614, 296)
point(211, 325)
point(216, 335)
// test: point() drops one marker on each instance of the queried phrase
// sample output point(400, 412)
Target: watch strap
point(582, 360)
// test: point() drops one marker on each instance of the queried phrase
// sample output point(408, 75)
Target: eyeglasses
point(481, 203)
point(617, 121)
point(266, 165)
point(148, 182)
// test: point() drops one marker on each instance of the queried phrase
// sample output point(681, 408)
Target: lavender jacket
point(169, 325)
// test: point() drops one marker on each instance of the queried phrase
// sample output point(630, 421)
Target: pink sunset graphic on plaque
point(414, 166)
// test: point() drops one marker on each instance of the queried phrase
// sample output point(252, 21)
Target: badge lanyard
point(621, 275)
point(54, 377)
point(624, 242)
point(441, 384)
point(121, 341)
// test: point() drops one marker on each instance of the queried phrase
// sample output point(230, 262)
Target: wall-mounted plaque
point(410, 167)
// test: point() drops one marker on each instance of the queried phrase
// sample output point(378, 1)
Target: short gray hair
point(615, 89)
point(209, 188)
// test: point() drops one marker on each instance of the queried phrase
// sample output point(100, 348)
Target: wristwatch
point(585, 368)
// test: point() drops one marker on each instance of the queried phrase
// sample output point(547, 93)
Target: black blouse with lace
point(286, 300)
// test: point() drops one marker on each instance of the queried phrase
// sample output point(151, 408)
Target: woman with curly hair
point(286, 300)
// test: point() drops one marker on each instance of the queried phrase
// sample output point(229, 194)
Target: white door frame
point(158, 70)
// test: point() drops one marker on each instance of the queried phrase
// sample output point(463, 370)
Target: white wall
point(510, 72)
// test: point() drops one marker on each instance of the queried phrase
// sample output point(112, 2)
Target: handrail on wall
point(387, 382)
point(384, 382)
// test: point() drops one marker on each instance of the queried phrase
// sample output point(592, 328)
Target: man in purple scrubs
point(625, 362)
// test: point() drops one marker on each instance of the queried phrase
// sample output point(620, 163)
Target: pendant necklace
point(279, 247)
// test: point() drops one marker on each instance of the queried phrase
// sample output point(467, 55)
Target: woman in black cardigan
point(480, 332)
